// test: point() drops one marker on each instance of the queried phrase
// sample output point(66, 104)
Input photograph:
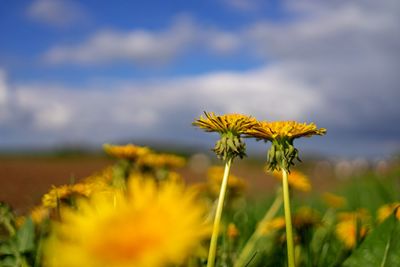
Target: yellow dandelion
point(151, 226)
point(333, 200)
point(346, 231)
point(130, 151)
point(236, 186)
point(284, 130)
point(160, 161)
point(386, 210)
point(104, 176)
point(282, 153)
point(306, 217)
point(19, 221)
point(62, 193)
point(232, 231)
point(230, 127)
point(271, 226)
point(39, 214)
point(352, 227)
point(235, 123)
point(55, 195)
point(297, 180)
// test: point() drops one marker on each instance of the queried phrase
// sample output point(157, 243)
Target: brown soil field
point(23, 180)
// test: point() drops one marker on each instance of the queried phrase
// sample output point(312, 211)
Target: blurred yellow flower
point(232, 231)
point(333, 200)
point(39, 214)
point(352, 225)
point(388, 209)
point(235, 123)
point(306, 217)
point(58, 195)
point(150, 226)
point(236, 186)
point(284, 130)
point(346, 231)
point(130, 151)
point(160, 161)
point(273, 225)
point(297, 180)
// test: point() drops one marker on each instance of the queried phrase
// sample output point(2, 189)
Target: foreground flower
point(230, 127)
point(152, 226)
point(386, 210)
point(297, 180)
point(129, 152)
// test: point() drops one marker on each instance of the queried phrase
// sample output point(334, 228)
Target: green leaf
point(5, 249)
point(26, 236)
point(8, 262)
point(380, 249)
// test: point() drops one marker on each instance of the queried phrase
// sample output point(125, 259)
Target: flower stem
point(252, 242)
point(288, 219)
point(217, 221)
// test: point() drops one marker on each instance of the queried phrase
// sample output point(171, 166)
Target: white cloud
point(56, 12)
point(336, 66)
point(145, 47)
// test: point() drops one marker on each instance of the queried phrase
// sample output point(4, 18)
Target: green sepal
point(282, 155)
point(229, 146)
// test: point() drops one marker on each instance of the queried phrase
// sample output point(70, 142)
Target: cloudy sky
point(89, 72)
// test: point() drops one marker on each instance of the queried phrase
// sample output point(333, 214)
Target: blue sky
point(103, 71)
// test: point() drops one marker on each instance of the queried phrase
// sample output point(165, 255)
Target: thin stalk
point(288, 219)
point(252, 242)
point(217, 221)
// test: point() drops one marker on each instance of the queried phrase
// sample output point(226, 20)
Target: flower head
point(284, 130)
point(161, 161)
point(388, 209)
point(282, 153)
point(236, 186)
point(150, 226)
point(297, 180)
point(352, 227)
point(271, 226)
point(232, 231)
point(235, 123)
point(230, 127)
point(334, 201)
point(129, 152)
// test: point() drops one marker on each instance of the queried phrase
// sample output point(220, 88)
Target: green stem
point(288, 219)
point(218, 214)
point(252, 242)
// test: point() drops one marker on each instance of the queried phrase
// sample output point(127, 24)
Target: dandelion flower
point(236, 186)
point(273, 225)
point(334, 201)
point(232, 231)
point(39, 214)
point(63, 193)
point(150, 226)
point(129, 152)
point(282, 133)
point(306, 217)
point(352, 227)
point(161, 161)
point(297, 180)
point(230, 127)
point(388, 209)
